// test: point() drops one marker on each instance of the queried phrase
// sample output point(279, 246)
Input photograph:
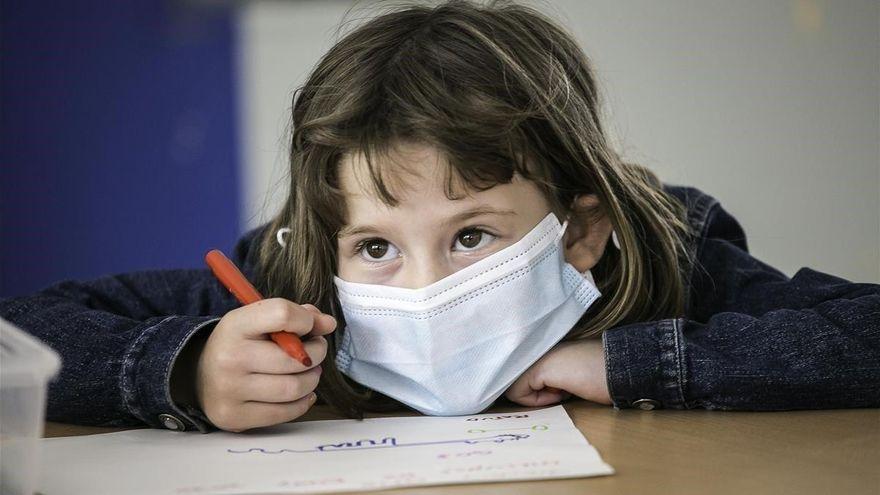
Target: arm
point(753, 338)
point(119, 338)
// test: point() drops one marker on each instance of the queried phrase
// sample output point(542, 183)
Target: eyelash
point(358, 248)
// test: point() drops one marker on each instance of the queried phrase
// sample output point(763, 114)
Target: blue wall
point(118, 139)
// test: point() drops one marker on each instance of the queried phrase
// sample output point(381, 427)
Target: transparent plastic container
point(26, 366)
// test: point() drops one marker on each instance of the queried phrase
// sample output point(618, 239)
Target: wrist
point(579, 368)
point(596, 379)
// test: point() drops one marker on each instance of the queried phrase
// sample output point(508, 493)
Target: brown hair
point(500, 89)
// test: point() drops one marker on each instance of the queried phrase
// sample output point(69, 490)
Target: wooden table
point(682, 452)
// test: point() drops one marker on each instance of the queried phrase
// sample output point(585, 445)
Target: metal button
point(646, 404)
point(171, 422)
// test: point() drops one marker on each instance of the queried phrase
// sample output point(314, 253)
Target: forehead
point(408, 171)
point(417, 176)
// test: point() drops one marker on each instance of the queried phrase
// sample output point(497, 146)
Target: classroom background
point(137, 134)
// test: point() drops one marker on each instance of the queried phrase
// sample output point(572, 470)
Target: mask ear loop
point(562, 229)
point(565, 221)
point(279, 236)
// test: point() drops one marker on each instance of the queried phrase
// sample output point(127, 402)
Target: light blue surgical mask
point(455, 346)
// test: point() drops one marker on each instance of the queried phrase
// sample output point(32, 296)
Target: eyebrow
point(477, 211)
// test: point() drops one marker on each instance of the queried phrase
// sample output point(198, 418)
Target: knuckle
point(227, 323)
point(283, 312)
point(278, 312)
point(227, 359)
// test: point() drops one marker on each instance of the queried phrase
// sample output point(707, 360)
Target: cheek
point(350, 273)
point(344, 268)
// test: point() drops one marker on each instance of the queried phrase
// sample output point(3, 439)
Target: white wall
point(773, 107)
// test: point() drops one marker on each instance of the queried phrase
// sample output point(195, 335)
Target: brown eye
point(376, 249)
point(470, 238)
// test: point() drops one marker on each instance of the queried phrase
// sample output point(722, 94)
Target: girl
point(458, 231)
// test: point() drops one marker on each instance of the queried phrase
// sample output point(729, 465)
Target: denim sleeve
point(119, 337)
point(752, 338)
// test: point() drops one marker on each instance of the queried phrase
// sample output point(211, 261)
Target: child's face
point(427, 236)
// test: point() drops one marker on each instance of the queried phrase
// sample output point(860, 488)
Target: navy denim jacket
point(752, 339)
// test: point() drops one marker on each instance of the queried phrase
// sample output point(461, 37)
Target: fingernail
point(319, 368)
point(313, 398)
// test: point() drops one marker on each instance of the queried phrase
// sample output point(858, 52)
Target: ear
point(588, 232)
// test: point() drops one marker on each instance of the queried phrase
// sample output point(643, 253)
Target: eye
point(472, 240)
point(377, 250)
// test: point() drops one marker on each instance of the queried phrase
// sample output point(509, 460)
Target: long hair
point(500, 89)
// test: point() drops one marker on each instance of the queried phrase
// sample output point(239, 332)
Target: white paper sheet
point(324, 456)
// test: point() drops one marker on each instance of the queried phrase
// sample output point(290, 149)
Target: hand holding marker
point(232, 278)
point(244, 380)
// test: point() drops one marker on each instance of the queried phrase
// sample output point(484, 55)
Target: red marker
point(231, 277)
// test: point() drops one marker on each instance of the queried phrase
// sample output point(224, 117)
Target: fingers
point(519, 389)
point(268, 357)
point(529, 390)
point(534, 398)
point(544, 398)
point(324, 323)
point(272, 315)
point(258, 414)
point(260, 387)
point(266, 414)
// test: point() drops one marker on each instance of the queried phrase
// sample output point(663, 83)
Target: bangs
point(387, 170)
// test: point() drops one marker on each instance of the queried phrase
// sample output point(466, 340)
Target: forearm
point(115, 370)
point(823, 357)
point(119, 339)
